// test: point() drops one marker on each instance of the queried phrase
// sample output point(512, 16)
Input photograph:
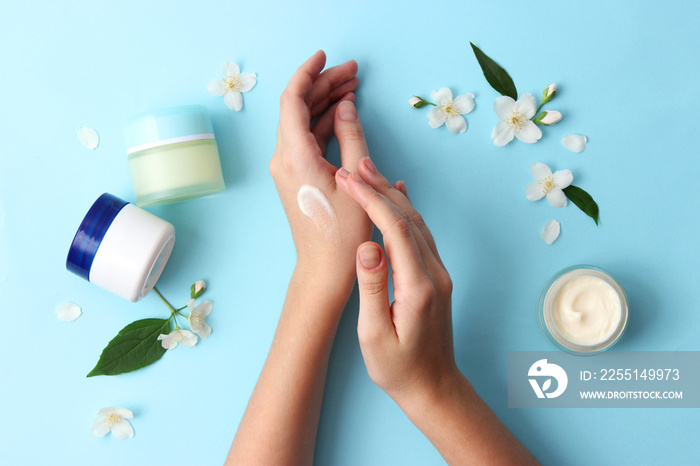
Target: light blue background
point(627, 74)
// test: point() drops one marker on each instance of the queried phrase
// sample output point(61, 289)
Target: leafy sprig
point(500, 80)
point(139, 344)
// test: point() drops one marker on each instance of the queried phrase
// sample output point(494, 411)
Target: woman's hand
point(407, 345)
point(327, 240)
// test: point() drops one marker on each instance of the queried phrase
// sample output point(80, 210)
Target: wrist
point(433, 396)
point(327, 275)
point(324, 286)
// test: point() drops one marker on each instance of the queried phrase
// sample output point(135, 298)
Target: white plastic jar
point(121, 248)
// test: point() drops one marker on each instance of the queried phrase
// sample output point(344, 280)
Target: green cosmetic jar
point(173, 155)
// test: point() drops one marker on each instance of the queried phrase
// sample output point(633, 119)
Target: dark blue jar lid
point(89, 236)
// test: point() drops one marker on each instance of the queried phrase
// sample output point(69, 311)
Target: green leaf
point(497, 77)
point(583, 201)
point(134, 347)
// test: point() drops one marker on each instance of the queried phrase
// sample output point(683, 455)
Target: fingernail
point(401, 186)
point(346, 111)
point(370, 257)
point(370, 165)
point(358, 178)
point(343, 173)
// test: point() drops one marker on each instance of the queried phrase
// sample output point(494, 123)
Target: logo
point(543, 369)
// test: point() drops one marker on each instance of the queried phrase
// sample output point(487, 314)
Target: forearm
point(463, 428)
point(280, 423)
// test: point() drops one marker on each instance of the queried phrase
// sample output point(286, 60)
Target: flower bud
point(548, 118)
point(418, 102)
point(549, 93)
point(197, 289)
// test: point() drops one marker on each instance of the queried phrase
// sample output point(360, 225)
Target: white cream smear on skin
point(315, 205)
point(586, 310)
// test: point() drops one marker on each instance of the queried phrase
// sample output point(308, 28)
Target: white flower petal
point(190, 305)
point(550, 232)
point(435, 117)
point(201, 328)
point(247, 80)
point(527, 105)
point(534, 192)
point(100, 427)
point(539, 170)
point(122, 429)
point(441, 96)
point(205, 308)
point(556, 197)
point(456, 124)
point(68, 312)
point(502, 134)
point(574, 142)
point(562, 178)
point(503, 106)
point(234, 100)
point(216, 87)
point(465, 102)
point(88, 137)
point(105, 411)
point(123, 412)
point(231, 69)
point(529, 133)
point(197, 319)
point(187, 338)
point(168, 341)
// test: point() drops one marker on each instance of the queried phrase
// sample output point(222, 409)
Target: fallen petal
point(68, 312)
point(574, 142)
point(551, 231)
point(88, 137)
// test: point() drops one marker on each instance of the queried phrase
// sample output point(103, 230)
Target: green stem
point(538, 109)
point(172, 309)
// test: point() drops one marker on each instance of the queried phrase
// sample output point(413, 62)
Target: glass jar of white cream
point(582, 310)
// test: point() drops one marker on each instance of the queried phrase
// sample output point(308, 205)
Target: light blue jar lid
point(167, 126)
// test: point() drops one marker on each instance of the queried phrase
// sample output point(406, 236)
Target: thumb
point(372, 275)
point(351, 137)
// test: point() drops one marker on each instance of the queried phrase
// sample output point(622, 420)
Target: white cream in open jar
point(583, 310)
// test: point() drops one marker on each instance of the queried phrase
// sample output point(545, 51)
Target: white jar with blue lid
point(173, 155)
point(121, 248)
